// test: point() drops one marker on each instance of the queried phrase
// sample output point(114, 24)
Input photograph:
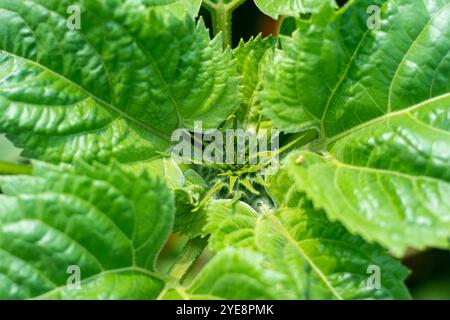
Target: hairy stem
point(7, 168)
point(221, 14)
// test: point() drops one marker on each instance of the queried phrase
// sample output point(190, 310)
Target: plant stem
point(7, 168)
point(278, 24)
point(221, 14)
point(222, 23)
point(189, 255)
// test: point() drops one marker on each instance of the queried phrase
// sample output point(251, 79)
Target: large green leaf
point(398, 210)
point(118, 87)
point(109, 223)
point(315, 259)
point(166, 169)
point(335, 74)
point(380, 100)
point(293, 8)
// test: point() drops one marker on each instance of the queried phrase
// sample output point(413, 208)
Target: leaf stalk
point(222, 15)
point(7, 168)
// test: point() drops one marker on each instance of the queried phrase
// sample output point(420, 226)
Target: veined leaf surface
point(380, 99)
point(293, 8)
point(179, 7)
point(116, 88)
point(398, 210)
point(315, 259)
point(109, 224)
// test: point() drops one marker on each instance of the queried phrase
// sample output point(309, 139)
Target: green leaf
point(282, 190)
point(190, 219)
point(289, 7)
point(189, 188)
point(109, 223)
point(250, 57)
point(380, 100)
point(397, 210)
point(228, 270)
point(116, 88)
point(231, 224)
point(166, 169)
point(315, 259)
point(334, 73)
point(177, 7)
